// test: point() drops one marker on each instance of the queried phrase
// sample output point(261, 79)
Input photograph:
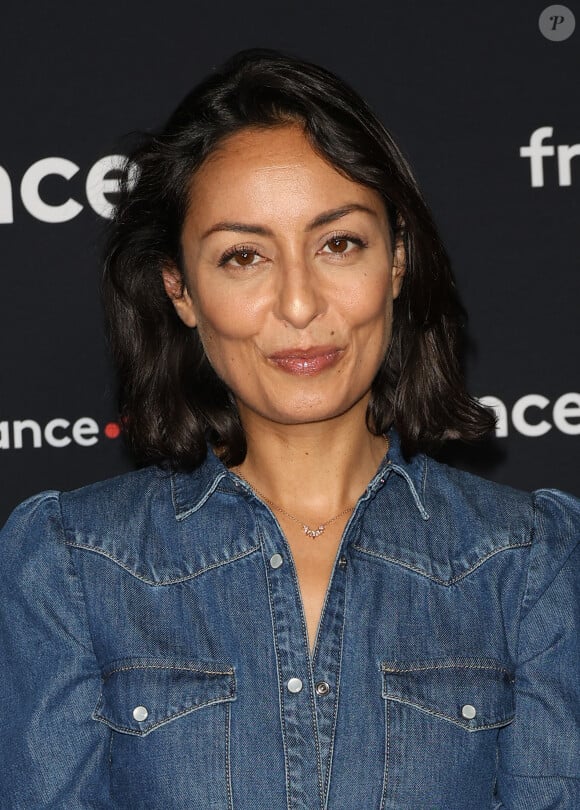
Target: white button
point(140, 713)
point(294, 685)
point(276, 560)
point(468, 711)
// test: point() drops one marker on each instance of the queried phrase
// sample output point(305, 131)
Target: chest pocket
point(140, 695)
point(170, 733)
point(473, 694)
point(442, 722)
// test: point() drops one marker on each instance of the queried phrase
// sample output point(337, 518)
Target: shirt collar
point(413, 471)
point(190, 490)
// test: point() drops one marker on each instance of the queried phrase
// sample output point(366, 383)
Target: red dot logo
point(112, 430)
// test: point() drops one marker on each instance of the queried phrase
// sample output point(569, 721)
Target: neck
point(317, 469)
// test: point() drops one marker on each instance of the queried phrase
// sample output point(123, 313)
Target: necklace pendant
point(312, 532)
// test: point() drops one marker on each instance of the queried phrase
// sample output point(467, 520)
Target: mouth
point(306, 361)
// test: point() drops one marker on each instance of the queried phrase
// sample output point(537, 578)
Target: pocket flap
point(472, 693)
point(139, 695)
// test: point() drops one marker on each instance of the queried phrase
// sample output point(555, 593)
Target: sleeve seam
point(563, 562)
point(78, 584)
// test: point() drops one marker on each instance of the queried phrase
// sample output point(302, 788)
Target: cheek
point(225, 312)
point(369, 303)
point(224, 324)
point(371, 318)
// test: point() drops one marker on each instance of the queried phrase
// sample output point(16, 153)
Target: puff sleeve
point(53, 754)
point(539, 754)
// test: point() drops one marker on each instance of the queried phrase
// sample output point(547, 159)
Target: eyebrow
point(317, 222)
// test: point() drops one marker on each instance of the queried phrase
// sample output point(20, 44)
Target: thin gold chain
point(308, 531)
point(305, 528)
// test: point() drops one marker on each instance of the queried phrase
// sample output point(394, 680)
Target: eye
point(341, 243)
point(243, 256)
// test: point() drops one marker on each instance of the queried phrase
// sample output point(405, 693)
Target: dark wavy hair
point(171, 400)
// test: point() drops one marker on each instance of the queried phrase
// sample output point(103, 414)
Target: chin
point(303, 412)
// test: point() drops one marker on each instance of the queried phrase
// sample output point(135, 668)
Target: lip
point(306, 361)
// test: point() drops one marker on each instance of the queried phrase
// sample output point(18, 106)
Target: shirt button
point(294, 685)
point(140, 713)
point(276, 560)
point(322, 688)
point(468, 711)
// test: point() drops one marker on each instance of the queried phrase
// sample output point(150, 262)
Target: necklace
point(308, 530)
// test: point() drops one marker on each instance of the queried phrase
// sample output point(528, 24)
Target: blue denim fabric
point(148, 638)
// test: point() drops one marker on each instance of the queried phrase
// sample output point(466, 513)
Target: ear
point(178, 293)
point(399, 263)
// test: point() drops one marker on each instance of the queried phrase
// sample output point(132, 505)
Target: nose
point(299, 295)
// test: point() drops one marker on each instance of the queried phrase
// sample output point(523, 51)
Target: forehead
point(266, 170)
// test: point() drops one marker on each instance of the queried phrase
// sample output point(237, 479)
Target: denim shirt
point(154, 651)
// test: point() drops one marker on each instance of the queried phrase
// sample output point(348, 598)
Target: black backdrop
point(462, 88)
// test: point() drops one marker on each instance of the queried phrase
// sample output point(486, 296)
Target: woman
point(291, 605)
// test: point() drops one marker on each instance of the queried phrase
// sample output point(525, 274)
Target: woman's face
point(289, 277)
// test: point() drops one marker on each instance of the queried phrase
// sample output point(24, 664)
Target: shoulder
point(120, 518)
point(456, 492)
point(149, 522)
point(50, 516)
point(448, 489)
point(457, 503)
point(464, 520)
point(124, 519)
point(117, 499)
point(34, 522)
point(546, 521)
